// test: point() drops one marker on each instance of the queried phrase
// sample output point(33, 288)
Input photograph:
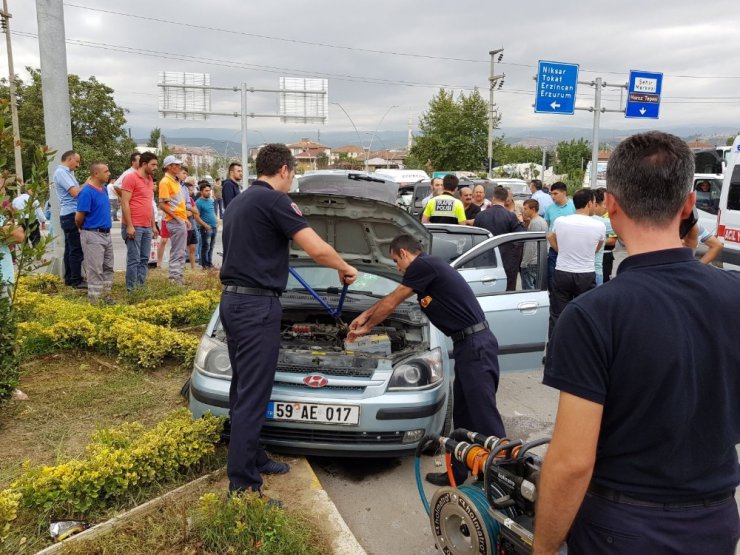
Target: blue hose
point(417, 469)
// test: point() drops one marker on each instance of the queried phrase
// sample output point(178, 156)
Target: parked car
point(378, 397)
point(402, 177)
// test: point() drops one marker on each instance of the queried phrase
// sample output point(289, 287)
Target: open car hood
point(360, 229)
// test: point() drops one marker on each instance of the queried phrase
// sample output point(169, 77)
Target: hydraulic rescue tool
point(495, 513)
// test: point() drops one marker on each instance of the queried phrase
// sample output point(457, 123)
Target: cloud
point(606, 39)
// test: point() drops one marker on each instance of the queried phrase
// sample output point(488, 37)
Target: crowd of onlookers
point(177, 210)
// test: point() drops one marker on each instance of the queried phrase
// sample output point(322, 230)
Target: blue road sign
point(643, 94)
point(556, 88)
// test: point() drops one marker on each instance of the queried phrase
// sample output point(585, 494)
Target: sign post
point(643, 94)
point(556, 88)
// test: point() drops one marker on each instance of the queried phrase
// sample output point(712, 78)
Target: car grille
point(327, 371)
point(334, 437)
point(301, 386)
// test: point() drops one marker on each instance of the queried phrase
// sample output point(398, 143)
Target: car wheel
point(185, 390)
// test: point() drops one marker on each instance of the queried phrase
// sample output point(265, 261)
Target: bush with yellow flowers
point(117, 463)
point(143, 334)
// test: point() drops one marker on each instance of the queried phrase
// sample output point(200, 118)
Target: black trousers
point(566, 286)
point(252, 326)
point(605, 527)
point(474, 390)
point(608, 265)
point(72, 250)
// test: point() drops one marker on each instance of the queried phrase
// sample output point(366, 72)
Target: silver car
point(381, 395)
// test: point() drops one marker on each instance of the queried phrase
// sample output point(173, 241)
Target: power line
point(243, 65)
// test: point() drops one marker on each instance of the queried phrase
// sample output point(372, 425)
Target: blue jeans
point(599, 279)
point(207, 242)
point(137, 255)
point(529, 276)
point(552, 259)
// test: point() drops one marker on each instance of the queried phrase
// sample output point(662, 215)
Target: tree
point(504, 153)
point(571, 159)
point(97, 121)
point(454, 133)
point(154, 137)
point(731, 139)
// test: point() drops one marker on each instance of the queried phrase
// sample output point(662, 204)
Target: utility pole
point(595, 144)
point(55, 95)
point(492, 80)
point(11, 86)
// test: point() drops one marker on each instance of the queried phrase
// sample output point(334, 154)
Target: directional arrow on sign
point(554, 105)
point(642, 111)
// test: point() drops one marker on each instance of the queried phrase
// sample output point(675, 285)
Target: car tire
point(185, 390)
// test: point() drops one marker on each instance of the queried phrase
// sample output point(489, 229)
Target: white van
point(728, 218)
point(402, 177)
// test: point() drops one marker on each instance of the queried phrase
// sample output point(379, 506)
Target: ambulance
point(728, 217)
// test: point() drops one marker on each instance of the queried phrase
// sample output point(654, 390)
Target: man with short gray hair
point(643, 455)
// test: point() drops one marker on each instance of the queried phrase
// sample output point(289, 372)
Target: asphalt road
point(378, 498)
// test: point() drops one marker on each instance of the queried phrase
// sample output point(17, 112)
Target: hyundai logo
point(315, 381)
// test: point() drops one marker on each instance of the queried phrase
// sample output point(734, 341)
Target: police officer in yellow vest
point(445, 208)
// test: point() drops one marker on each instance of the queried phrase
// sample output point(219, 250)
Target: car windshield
point(325, 278)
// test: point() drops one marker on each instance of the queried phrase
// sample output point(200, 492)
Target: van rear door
point(728, 229)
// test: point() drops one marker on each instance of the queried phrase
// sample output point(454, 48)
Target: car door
point(517, 318)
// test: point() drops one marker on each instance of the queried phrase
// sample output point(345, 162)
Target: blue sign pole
point(556, 88)
point(643, 94)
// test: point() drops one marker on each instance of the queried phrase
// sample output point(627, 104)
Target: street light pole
point(492, 79)
point(376, 132)
point(359, 139)
point(11, 86)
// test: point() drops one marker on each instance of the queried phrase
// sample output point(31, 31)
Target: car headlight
point(419, 372)
point(212, 358)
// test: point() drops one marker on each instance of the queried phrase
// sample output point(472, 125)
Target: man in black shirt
point(258, 227)
point(499, 220)
point(230, 187)
point(643, 457)
point(450, 304)
point(471, 209)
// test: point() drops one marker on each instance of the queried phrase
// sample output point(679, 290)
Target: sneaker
point(80, 285)
point(441, 479)
point(273, 467)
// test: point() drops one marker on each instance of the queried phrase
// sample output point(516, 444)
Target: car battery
point(379, 344)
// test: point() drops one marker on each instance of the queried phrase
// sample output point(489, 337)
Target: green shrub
point(117, 463)
point(8, 511)
point(243, 523)
point(9, 360)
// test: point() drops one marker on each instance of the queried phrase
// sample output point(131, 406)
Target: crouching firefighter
point(450, 304)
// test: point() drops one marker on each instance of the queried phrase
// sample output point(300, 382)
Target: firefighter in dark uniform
point(450, 304)
point(258, 227)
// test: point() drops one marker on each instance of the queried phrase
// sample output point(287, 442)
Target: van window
point(708, 192)
point(733, 195)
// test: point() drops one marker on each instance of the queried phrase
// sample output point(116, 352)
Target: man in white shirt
point(535, 185)
point(576, 238)
point(31, 227)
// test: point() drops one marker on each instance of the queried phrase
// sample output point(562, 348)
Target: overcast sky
point(419, 46)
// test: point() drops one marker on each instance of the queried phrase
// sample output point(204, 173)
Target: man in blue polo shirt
point(67, 189)
point(561, 206)
point(642, 458)
point(93, 218)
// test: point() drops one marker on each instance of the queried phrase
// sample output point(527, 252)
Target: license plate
point(312, 412)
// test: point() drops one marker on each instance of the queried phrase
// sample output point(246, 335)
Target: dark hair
point(67, 155)
point(532, 203)
point(271, 158)
point(582, 197)
point(133, 156)
point(650, 175)
point(95, 165)
point(450, 182)
point(147, 157)
point(233, 165)
point(500, 193)
point(202, 184)
point(559, 186)
point(405, 242)
point(435, 179)
point(537, 184)
point(599, 195)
